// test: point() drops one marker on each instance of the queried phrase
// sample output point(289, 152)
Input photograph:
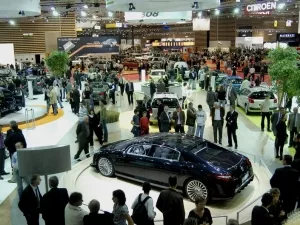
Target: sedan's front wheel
point(106, 168)
point(196, 188)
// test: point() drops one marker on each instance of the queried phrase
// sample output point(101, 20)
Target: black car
point(202, 167)
point(10, 101)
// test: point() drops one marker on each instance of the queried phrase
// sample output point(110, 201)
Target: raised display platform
point(20, 117)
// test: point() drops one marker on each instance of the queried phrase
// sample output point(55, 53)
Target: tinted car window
point(7, 93)
point(158, 73)
point(171, 102)
point(163, 152)
point(262, 95)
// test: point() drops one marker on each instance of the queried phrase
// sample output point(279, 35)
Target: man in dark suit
point(179, 120)
point(129, 88)
point(293, 125)
point(165, 120)
point(30, 200)
point(231, 94)
point(95, 218)
point(170, 203)
point(286, 180)
point(160, 109)
point(76, 99)
point(231, 124)
point(83, 133)
point(53, 203)
point(260, 214)
point(217, 116)
point(296, 166)
point(275, 118)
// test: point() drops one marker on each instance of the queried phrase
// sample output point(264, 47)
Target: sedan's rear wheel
point(196, 188)
point(105, 166)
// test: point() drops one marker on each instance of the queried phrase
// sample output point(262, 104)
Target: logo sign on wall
point(201, 24)
point(263, 8)
point(158, 17)
point(88, 45)
point(287, 37)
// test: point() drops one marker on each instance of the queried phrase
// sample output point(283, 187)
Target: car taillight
point(150, 110)
point(223, 177)
point(250, 100)
point(275, 100)
point(101, 93)
point(248, 162)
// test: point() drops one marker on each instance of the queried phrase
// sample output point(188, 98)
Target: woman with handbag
point(281, 136)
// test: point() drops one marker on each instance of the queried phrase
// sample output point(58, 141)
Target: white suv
point(167, 98)
point(251, 99)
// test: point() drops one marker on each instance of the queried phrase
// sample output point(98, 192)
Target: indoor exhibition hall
point(149, 112)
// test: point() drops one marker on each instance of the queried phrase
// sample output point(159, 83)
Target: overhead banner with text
point(158, 17)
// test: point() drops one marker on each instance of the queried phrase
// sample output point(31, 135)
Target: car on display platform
point(178, 66)
point(156, 75)
point(202, 167)
point(235, 80)
point(10, 102)
point(130, 64)
point(167, 98)
point(100, 90)
point(219, 78)
point(251, 99)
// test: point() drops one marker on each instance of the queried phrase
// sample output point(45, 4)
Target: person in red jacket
point(144, 124)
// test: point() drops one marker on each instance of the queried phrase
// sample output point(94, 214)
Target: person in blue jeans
point(200, 120)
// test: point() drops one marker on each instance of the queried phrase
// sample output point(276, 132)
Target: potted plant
point(57, 62)
point(112, 121)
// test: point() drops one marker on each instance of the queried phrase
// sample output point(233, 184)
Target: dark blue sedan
point(202, 167)
point(235, 80)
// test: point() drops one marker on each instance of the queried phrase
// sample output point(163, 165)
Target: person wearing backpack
point(143, 210)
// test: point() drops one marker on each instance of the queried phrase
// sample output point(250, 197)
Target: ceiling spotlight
point(85, 6)
point(217, 12)
point(195, 5)
point(131, 7)
point(83, 13)
point(280, 6)
point(110, 14)
point(53, 8)
point(94, 17)
point(12, 22)
point(55, 13)
point(199, 14)
point(236, 10)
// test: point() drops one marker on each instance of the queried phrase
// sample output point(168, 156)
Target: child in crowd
point(144, 124)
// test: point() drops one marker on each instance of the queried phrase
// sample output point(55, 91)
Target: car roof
point(256, 89)
point(165, 95)
point(173, 140)
point(234, 77)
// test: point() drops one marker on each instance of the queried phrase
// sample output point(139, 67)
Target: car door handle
point(167, 164)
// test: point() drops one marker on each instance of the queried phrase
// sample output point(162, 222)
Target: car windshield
point(158, 73)
point(170, 102)
point(262, 95)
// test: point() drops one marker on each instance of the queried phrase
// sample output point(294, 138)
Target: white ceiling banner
point(201, 24)
point(158, 17)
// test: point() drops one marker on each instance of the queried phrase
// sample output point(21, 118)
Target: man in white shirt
point(265, 113)
point(245, 84)
point(201, 119)
point(148, 204)
point(73, 212)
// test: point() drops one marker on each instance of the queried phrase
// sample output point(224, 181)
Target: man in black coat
point(30, 201)
point(170, 203)
point(95, 217)
point(260, 214)
point(231, 124)
point(53, 203)
point(129, 88)
point(286, 180)
point(160, 109)
point(165, 120)
point(83, 133)
point(76, 99)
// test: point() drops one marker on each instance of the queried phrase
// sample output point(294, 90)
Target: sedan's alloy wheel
point(195, 188)
point(105, 167)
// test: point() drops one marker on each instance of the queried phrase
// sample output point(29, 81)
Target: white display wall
point(30, 57)
point(219, 44)
point(7, 55)
point(249, 41)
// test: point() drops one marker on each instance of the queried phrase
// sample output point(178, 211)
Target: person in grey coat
point(210, 98)
point(165, 120)
point(161, 86)
point(83, 133)
point(231, 94)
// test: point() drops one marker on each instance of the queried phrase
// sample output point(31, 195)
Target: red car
point(130, 64)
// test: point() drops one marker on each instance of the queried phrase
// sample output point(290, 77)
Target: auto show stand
point(174, 87)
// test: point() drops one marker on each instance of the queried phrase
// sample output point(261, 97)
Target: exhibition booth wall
point(7, 55)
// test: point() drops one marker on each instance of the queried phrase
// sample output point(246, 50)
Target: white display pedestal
point(213, 82)
point(30, 87)
point(143, 72)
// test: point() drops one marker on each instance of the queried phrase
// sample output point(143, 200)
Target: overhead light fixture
point(236, 10)
point(131, 7)
point(12, 22)
point(195, 5)
point(55, 13)
point(85, 6)
point(53, 8)
point(217, 12)
point(199, 14)
point(181, 22)
point(186, 36)
point(110, 14)
point(94, 17)
point(281, 6)
point(83, 13)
